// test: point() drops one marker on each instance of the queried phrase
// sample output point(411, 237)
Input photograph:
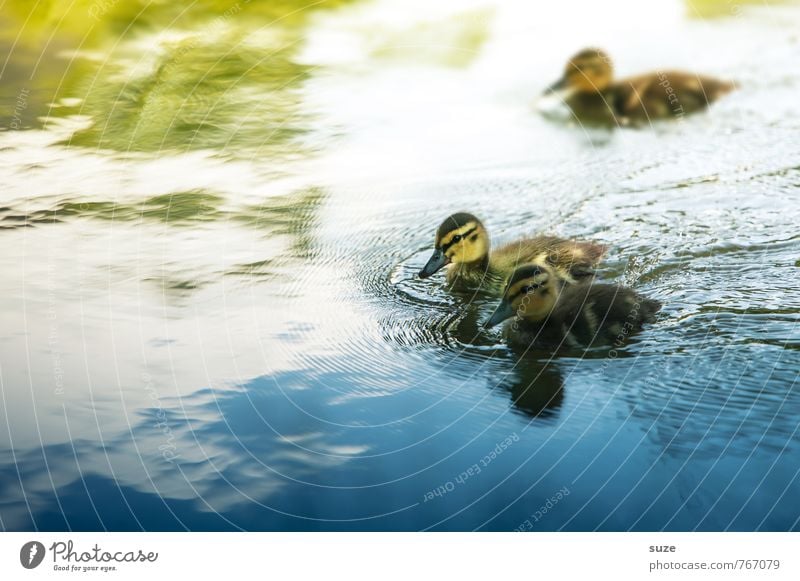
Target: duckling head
point(530, 294)
point(589, 70)
point(460, 239)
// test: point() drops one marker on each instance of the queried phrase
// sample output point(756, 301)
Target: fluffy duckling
point(594, 96)
point(462, 244)
point(548, 312)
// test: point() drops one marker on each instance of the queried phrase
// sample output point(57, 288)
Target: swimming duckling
point(462, 244)
point(594, 96)
point(548, 312)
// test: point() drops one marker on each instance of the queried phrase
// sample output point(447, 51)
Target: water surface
point(211, 221)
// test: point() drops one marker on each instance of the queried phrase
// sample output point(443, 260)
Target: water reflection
point(210, 315)
point(724, 8)
point(454, 331)
point(537, 388)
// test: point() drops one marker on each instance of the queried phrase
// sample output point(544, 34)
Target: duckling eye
point(529, 288)
point(457, 238)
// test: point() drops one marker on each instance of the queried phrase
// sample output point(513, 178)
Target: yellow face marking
point(465, 244)
point(516, 288)
point(590, 73)
point(534, 297)
point(516, 294)
point(448, 238)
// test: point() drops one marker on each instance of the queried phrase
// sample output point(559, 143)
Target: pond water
point(211, 222)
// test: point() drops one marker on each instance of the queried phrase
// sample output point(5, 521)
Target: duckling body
point(462, 245)
point(587, 315)
point(549, 313)
point(595, 97)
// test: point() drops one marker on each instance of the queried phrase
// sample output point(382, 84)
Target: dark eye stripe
point(525, 290)
point(447, 246)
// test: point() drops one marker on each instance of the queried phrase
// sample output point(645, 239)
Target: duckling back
point(665, 94)
point(596, 98)
point(599, 313)
point(572, 260)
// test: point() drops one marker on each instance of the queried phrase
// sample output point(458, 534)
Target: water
point(212, 218)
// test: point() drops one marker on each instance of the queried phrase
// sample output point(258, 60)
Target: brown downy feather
point(548, 312)
point(664, 95)
point(595, 97)
point(462, 245)
point(572, 260)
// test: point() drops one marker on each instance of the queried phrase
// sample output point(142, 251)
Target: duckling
point(595, 97)
point(462, 244)
point(548, 312)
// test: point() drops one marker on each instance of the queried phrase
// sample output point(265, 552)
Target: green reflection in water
point(182, 206)
point(200, 93)
point(294, 215)
point(283, 215)
point(155, 76)
point(454, 42)
point(178, 208)
point(723, 8)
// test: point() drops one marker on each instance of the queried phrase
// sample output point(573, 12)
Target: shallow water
point(211, 223)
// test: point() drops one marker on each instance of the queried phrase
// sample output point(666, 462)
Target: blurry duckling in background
point(548, 312)
point(462, 244)
point(589, 89)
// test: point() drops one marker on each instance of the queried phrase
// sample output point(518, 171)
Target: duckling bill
point(593, 95)
point(548, 312)
point(462, 245)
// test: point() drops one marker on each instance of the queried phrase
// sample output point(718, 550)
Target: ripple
point(746, 400)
